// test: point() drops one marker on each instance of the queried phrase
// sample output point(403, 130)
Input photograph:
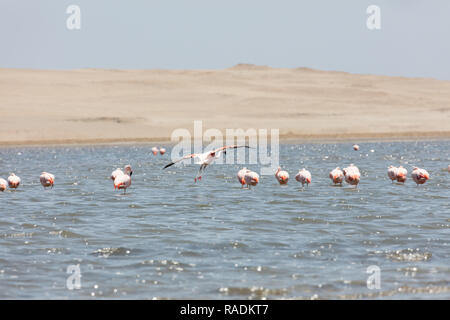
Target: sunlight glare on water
point(169, 237)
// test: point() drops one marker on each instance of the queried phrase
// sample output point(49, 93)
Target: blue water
point(168, 237)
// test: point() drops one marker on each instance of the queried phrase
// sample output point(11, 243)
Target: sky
point(414, 39)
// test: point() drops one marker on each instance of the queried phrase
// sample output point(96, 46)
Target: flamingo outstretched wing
point(230, 147)
point(189, 156)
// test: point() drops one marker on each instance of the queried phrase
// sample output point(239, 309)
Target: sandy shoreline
point(352, 138)
point(92, 106)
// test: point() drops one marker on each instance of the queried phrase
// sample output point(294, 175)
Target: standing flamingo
point(3, 184)
point(155, 151)
point(448, 168)
point(420, 176)
point(47, 179)
point(241, 174)
point(282, 176)
point(251, 178)
point(337, 176)
point(392, 173)
point(205, 159)
point(13, 181)
point(303, 176)
point(162, 151)
point(123, 181)
point(355, 147)
point(352, 175)
point(401, 174)
point(119, 171)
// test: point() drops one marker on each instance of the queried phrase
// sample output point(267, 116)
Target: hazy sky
point(414, 39)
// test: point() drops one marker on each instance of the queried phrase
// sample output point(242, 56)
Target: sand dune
point(95, 106)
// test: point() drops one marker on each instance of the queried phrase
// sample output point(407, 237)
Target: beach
point(92, 106)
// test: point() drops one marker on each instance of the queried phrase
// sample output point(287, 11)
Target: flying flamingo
point(282, 176)
point(205, 159)
point(401, 174)
point(420, 176)
point(3, 184)
point(352, 175)
point(337, 176)
point(162, 151)
point(123, 180)
point(251, 178)
point(13, 181)
point(47, 179)
point(155, 151)
point(392, 173)
point(241, 174)
point(303, 176)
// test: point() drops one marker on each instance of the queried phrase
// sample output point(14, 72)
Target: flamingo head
point(128, 170)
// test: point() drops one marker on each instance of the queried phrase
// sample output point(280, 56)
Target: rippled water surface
point(171, 238)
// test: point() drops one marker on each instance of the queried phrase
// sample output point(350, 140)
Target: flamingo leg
point(200, 171)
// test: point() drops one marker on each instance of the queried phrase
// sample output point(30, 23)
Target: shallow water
point(171, 238)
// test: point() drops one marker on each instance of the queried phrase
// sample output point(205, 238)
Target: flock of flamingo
point(246, 177)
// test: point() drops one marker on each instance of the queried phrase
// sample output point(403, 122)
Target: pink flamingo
point(355, 147)
point(303, 176)
point(420, 176)
point(241, 175)
point(13, 181)
point(47, 179)
point(162, 151)
point(337, 176)
point(155, 151)
point(251, 178)
point(401, 174)
point(352, 175)
point(205, 159)
point(282, 176)
point(123, 181)
point(3, 184)
point(392, 173)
